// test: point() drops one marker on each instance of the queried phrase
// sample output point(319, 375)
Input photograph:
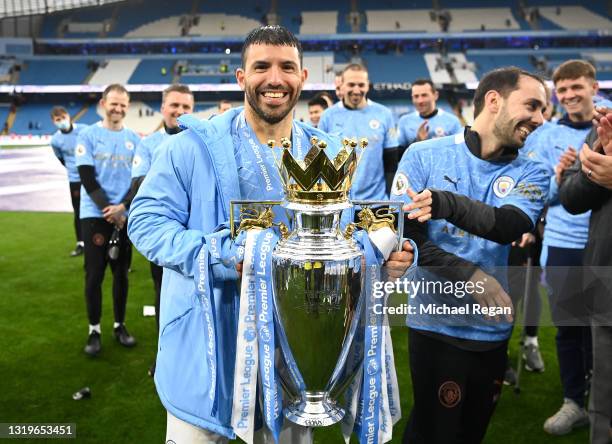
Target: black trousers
point(455, 391)
point(96, 234)
point(569, 309)
point(156, 274)
point(75, 197)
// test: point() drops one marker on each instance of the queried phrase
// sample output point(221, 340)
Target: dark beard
point(505, 133)
point(506, 139)
point(270, 119)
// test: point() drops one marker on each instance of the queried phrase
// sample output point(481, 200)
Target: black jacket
point(578, 194)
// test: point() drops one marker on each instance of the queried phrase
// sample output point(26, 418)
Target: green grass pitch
point(43, 329)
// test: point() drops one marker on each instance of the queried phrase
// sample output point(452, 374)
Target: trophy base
point(314, 410)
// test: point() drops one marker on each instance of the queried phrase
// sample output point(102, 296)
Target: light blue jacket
point(183, 198)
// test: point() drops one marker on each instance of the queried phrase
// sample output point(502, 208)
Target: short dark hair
point(57, 111)
point(325, 94)
point(503, 80)
point(115, 87)
point(574, 69)
point(183, 89)
point(274, 35)
point(420, 82)
point(318, 100)
point(354, 67)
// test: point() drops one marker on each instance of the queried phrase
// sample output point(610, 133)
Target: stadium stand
point(574, 17)
point(213, 69)
point(601, 8)
point(223, 24)
point(396, 20)
point(387, 63)
point(114, 71)
point(603, 63)
point(319, 22)
point(152, 71)
point(436, 69)
point(487, 60)
point(306, 16)
point(119, 18)
point(396, 67)
point(320, 67)
point(553, 60)
point(5, 70)
point(164, 27)
point(5, 109)
point(89, 115)
point(463, 71)
point(480, 19)
point(53, 72)
point(133, 15)
point(139, 120)
point(33, 118)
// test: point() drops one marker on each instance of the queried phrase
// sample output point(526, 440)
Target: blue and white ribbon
point(247, 350)
point(216, 260)
point(256, 342)
point(271, 389)
point(369, 418)
point(372, 400)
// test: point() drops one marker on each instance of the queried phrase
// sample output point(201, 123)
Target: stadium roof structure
point(14, 8)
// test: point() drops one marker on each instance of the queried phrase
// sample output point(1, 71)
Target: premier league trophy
point(318, 275)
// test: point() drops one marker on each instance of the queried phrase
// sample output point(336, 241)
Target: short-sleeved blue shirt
point(447, 164)
point(145, 152)
point(111, 154)
point(374, 122)
point(441, 125)
point(63, 145)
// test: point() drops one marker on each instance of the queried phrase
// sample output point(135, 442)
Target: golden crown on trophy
point(318, 179)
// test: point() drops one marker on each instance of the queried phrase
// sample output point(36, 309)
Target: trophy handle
point(382, 217)
point(251, 217)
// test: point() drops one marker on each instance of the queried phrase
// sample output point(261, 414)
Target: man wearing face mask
point(63, 143)
point(104, 154)
point(357, 116)
point(176, 101)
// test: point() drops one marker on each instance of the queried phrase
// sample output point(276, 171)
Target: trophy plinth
point(314, 410)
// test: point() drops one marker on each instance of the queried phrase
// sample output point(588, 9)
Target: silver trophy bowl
point(317, 277)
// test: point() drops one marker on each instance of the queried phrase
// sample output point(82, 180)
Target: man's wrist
point(440, 205)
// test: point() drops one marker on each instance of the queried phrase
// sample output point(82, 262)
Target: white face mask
point(63, 124)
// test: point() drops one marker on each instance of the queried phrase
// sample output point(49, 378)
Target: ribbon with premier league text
point(272, 394)
point(373, 396)
point(247, 352)
point(217, 257)
point(372, 400)
point(367, 421)
point(256, 340)
point(204, 290)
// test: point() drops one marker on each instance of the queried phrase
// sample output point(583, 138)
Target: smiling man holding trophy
point(180, 220)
